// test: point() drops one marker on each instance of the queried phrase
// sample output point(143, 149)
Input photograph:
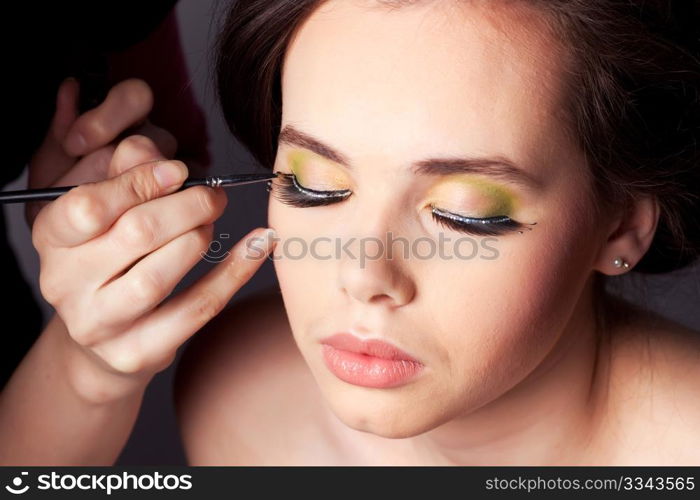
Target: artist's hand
point(78, 148)
point(111, 252)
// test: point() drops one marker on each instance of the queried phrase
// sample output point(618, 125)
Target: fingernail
point(169, 174)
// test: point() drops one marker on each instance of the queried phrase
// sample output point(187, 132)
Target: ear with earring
point(619, 262)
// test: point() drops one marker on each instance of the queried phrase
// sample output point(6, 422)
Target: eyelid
point(489, 226)
point(316, 192)
point(290, 192)
point(304, 165)
point(473, 195)
point(496, 219)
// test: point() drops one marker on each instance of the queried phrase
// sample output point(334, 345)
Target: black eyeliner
point(488, 226)
point(292, 193)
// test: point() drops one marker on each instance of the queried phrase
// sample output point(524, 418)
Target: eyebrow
point(497, 166)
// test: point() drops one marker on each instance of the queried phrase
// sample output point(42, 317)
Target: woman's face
point(450, 105)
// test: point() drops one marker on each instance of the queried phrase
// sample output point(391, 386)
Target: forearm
point(44, 420)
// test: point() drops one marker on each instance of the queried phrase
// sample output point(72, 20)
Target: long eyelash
point(288, 190)
point(488, 226)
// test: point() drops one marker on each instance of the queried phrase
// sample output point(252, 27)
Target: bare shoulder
point(243, 393)
point(654, 391)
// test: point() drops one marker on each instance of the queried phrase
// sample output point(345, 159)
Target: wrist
point(88, 376)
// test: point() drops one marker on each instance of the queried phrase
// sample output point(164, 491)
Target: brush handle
point(27, 195)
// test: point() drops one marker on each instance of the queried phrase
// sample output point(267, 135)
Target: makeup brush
point(213, 181)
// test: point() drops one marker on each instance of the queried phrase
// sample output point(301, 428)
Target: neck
point(549, 418)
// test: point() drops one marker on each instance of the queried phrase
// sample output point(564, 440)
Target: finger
point(50, 160)
point(173, 322)
point(146, 284)
point(66, 109)
point(132, 151)
point(148, 226)
point(88, 210)
point(90, 168)
point(196, 168)
point(163, 139)
point(105, 163)
point(127, 104)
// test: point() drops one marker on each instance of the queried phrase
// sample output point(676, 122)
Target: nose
point(370, 274)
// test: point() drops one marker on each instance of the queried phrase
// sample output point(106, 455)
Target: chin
point(383, 414)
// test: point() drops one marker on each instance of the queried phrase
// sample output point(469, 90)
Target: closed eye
point(479, 226)
point(292, 193)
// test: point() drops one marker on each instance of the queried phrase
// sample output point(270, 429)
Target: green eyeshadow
point(296, 161)
point(464, 194)
point(314, 172)
point(491, 199)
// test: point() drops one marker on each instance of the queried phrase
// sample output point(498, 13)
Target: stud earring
point(620, 262)
point(268, 186)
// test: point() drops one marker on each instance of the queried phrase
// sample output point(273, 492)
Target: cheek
point(301, 277)
point(495, 320)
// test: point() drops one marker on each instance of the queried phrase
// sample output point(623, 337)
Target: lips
point(370, 347)
point(368, 363)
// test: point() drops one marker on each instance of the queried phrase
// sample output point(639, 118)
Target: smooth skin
point(514, 373)
point(111, 252)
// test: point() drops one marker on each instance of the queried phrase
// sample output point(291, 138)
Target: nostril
point(381, 299)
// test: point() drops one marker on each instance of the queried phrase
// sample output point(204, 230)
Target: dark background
point(155, 439)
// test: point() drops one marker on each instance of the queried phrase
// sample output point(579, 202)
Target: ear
point(629, 236)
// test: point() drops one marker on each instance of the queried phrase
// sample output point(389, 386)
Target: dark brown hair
point(633, 99)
